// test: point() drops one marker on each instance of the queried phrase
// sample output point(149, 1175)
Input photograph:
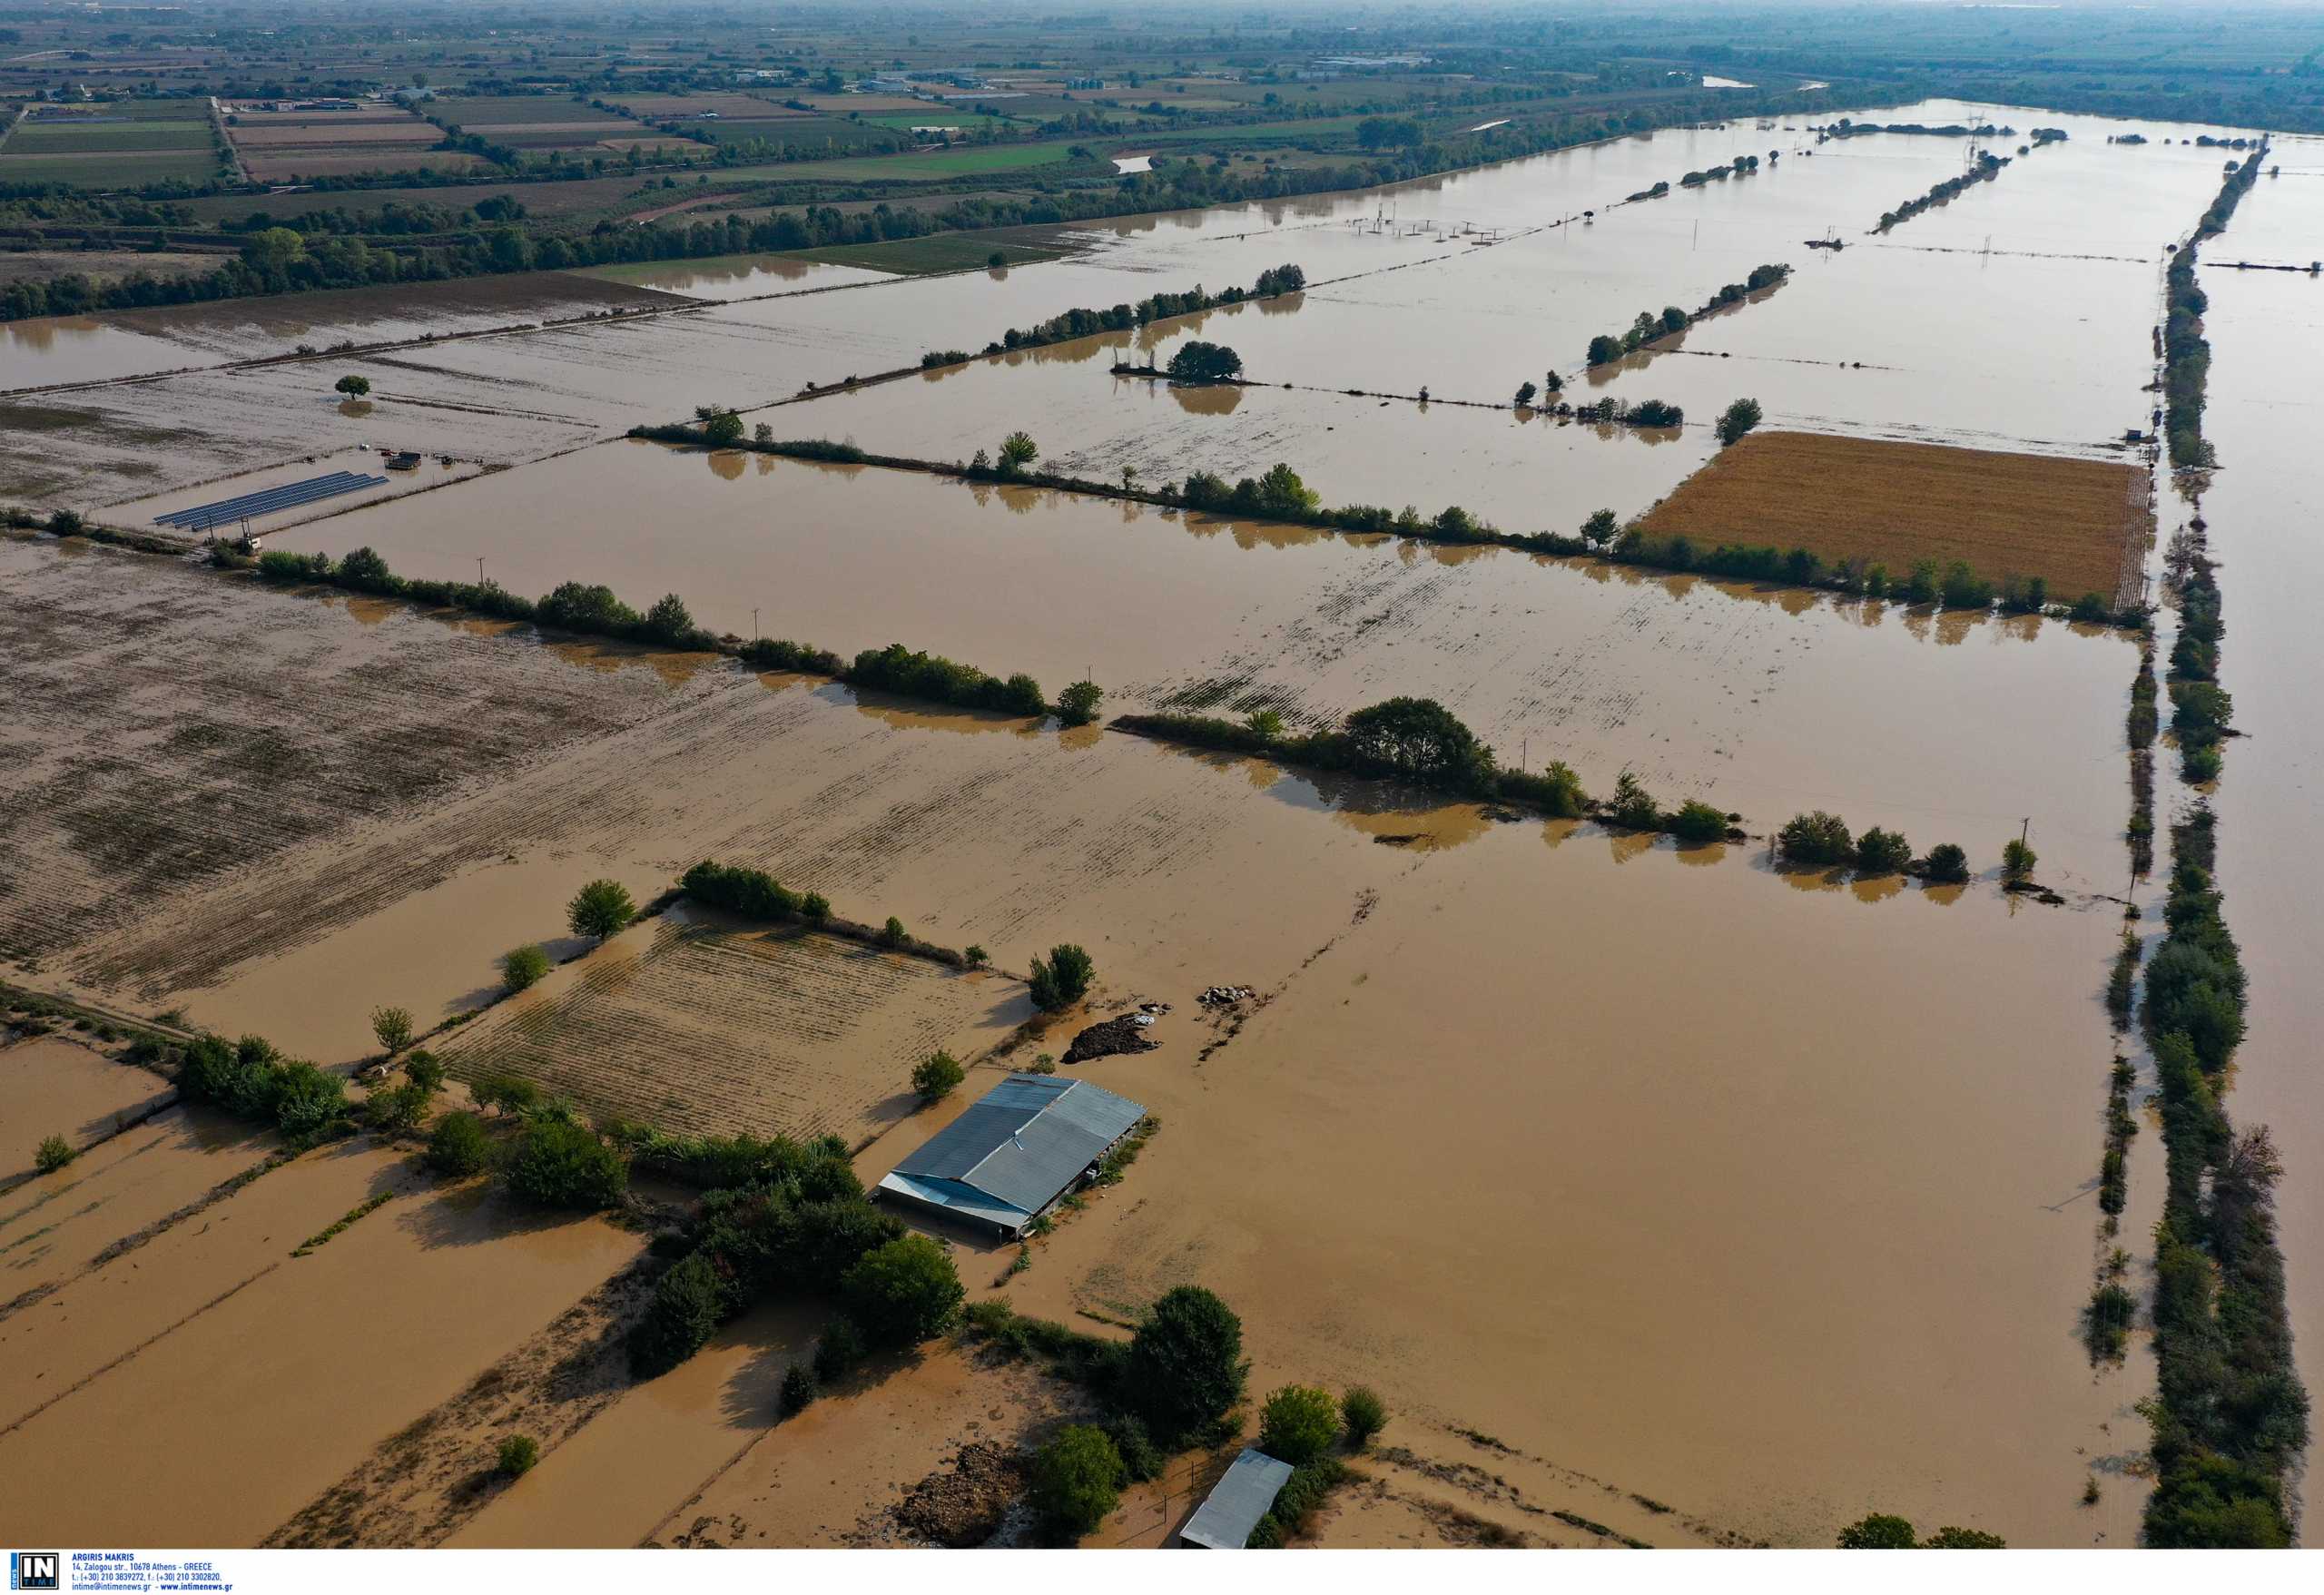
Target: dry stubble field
point(2079, 524)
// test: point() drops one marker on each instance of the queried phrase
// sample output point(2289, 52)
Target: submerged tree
point(600, 909)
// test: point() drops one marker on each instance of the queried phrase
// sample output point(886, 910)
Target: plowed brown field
point(2079, 524)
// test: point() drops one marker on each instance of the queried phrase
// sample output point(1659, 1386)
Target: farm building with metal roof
point(1014, 1153)
point(1243, 1495)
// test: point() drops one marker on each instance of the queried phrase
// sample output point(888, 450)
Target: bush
point(1817, 838)
point(392, 1025)
point(506, 1093)
point(54, 1154)
point(1418, 738)
point(458, 1145)
point(1634, 806)
point(1697, 821)
point(1077, 704)
point(519, 1453)
point(392, 1111)
point(1299, 1423)
point(1964, 589)
point(1186, 1364)
point(936, 1076)
point(600, 909)
point(1879, 1532)
point(522, 966)
point(1141, 1459)
point(669, 622)
point(1363, 1414)
point(689, 1305)
point(892, 933)
point(838, 1350)
point(1737, 419)
point(799, 1388)
point(903, 1292)
point(1947, 864)
point(422, 1069)
point(1881, 853)
point(1078, 1479)
point(1063, 980)
point(558, 1164)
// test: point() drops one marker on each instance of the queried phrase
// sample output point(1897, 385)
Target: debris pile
point(1224, 996)
point(1124, 1032)
point(965, 1505)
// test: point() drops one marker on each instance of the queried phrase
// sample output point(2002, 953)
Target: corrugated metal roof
point(1025, 1140)
point(1237, 1501)
point(956, 1197)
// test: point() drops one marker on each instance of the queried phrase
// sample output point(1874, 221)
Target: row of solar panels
point(202, 517)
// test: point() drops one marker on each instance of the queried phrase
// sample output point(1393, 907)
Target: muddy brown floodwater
point(1630, 1175)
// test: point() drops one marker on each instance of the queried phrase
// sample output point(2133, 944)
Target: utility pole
point(480, 570)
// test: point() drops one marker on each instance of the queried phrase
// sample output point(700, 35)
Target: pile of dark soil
point(1122, 1033)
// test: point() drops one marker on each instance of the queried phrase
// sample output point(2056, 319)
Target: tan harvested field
point(2080, 525)
point(706, 1029)
point(105, 265)
point(323, 131)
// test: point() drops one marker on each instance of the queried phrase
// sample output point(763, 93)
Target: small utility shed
point(1236, 1503)
point(1006, 1160)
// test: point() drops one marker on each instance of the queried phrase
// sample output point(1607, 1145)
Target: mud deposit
point(701, 1029)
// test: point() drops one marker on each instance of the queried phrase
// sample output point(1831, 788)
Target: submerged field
point(1633, 1174)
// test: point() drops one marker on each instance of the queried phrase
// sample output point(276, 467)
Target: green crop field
point(80, 138)
point(918, 167)
point(106, 170)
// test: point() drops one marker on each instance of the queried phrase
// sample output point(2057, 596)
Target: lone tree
point(669, 622)
point(1737, 418)
point(1525, 391)
point(935, 1076)
point(1186, 1365)
point(2017, 862)
point(392, 1025)
point(1947, 864)
point(1018, 450)
point(1197, 361)
point(353, 385)
point(1063, 979)
point(599, 909)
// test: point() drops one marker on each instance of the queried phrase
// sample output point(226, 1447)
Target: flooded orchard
point(1668, 1193)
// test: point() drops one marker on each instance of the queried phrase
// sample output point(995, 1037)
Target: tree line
point(1609, 346)
point(1086, 322)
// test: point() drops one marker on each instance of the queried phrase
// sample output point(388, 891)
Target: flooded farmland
point(1690, 1178)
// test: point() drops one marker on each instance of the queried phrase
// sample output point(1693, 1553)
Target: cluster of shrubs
point(1987, 168)
point(1088, 323)
point(1955, 585)
point(2230, 1416)
point(751, 893)
point(797, 1219)
point(915, 674)
point(1620, 412)
point(755, 894)
point(1609, 346)
point(252, 1081)
point(1887, 1531)
point(1820, 838)
point(1741, 166)
point(2139, 727)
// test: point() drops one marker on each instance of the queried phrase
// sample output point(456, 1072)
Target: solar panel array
point(202, 517)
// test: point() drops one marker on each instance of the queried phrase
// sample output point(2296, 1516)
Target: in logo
point(33, 1570)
